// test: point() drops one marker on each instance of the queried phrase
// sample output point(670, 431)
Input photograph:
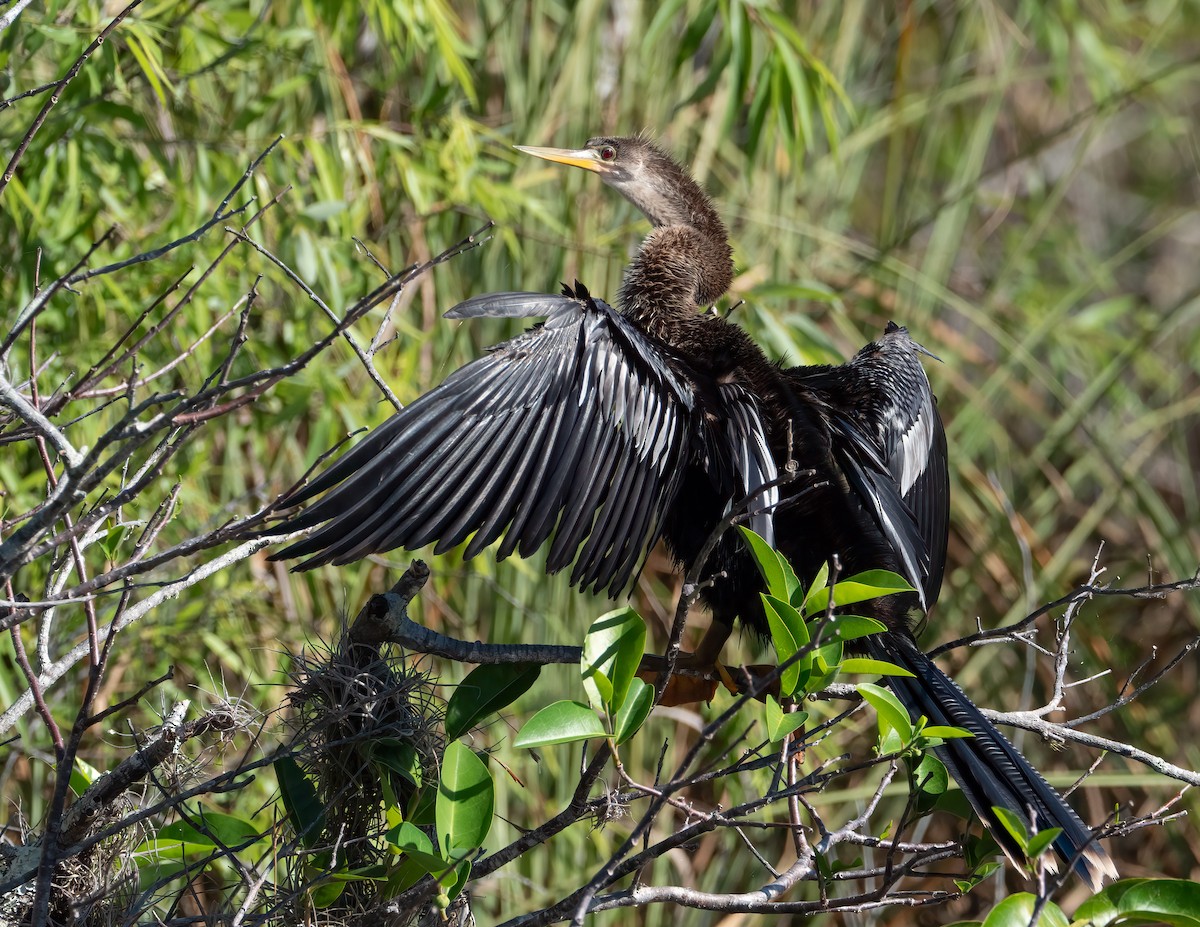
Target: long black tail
point(989, 770)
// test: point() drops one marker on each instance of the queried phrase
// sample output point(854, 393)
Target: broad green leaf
point(612, 652)
point(83, 774)
point(1041, 840)
point(400, 757)
point(791, 617)
point(1144, 901)
point(780, 724)
point(300, 800)
point(877, 667)
point(456, 880)
point(486, 690)
point(819, 585)
point(892, 715)
point(422, 806)
point(1014, 825)
point(174, 849)
point(560, 723)
point(860, 588)
point(326, 893)
point(851, 627)
point(930, 779)
point(416, 845)
point(408, 872)
point(634, 710)
point(213, 828)
point(945, 732)
point(776, 571)
point(786, 645)
point(465, 801)
point(1017, 911)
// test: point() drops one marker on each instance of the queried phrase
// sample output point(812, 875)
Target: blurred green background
point(1015, 182)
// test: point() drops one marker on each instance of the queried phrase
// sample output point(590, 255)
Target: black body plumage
point(601, 430)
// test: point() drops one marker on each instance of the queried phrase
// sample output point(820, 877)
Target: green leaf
point(174, 849)
point(416, 845)
point(780, 724)
point(213, 828)
point(789, 633)
point(1039, 842)
point(465, 801)
point(326, 893)
point(1014, 825)
point(785, 647)
point(422, 807)
point(560, 723)
point(486, 690)
point(945, 732)
point(860, 588)
point(892, 715)
point(300, 800)
point(776, 571)
point(819, 585)
point(83, 774)
point(400, 757)
point(1017, 911)
point(612, 652)
point(634, 710)
point(852, 627)
point(1144, 901)
point(408, 872)
point(929, 779)
point(456, 880)
point(867, 665)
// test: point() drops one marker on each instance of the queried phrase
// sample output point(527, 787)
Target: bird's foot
point(694, 679)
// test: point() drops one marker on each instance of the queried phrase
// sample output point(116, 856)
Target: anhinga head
point(685, 263)
point(646, 176)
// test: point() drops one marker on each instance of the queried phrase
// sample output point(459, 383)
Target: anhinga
point(601, 430)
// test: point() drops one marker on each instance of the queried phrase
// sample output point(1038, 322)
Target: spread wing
point(914, 448)
point(576, 432)
point(890, 442)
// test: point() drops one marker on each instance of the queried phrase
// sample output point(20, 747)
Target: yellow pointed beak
point(579, 157)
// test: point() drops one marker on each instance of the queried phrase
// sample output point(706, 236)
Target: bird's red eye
point(607, 153)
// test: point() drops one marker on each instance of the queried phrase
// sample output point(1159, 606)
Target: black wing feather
point(575, 431)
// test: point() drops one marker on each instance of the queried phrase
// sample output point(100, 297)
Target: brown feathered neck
point(685, 263)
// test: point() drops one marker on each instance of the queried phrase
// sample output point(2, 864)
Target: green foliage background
point(1015, 182)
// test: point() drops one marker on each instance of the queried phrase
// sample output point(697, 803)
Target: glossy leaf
point(929, 779)
point(456, 880)
point(1014, 825)
point(612, 652)
point(1144, 901)
point(465, 801)
point(416, 845)
point(851, 627)
point(83, 774)
point(400, 757)
point(780, 724)
point(560, 723)
point(786, 646)
point(818, 586)
point(876, 667)
point(1040, 842)
point(892, 715)
point(945, 732)
point(634, 710)
point(212, 827)
point(776, 572)
point(1017, 911)
point(860, 588)
point(300, 800)
point(486, 690)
